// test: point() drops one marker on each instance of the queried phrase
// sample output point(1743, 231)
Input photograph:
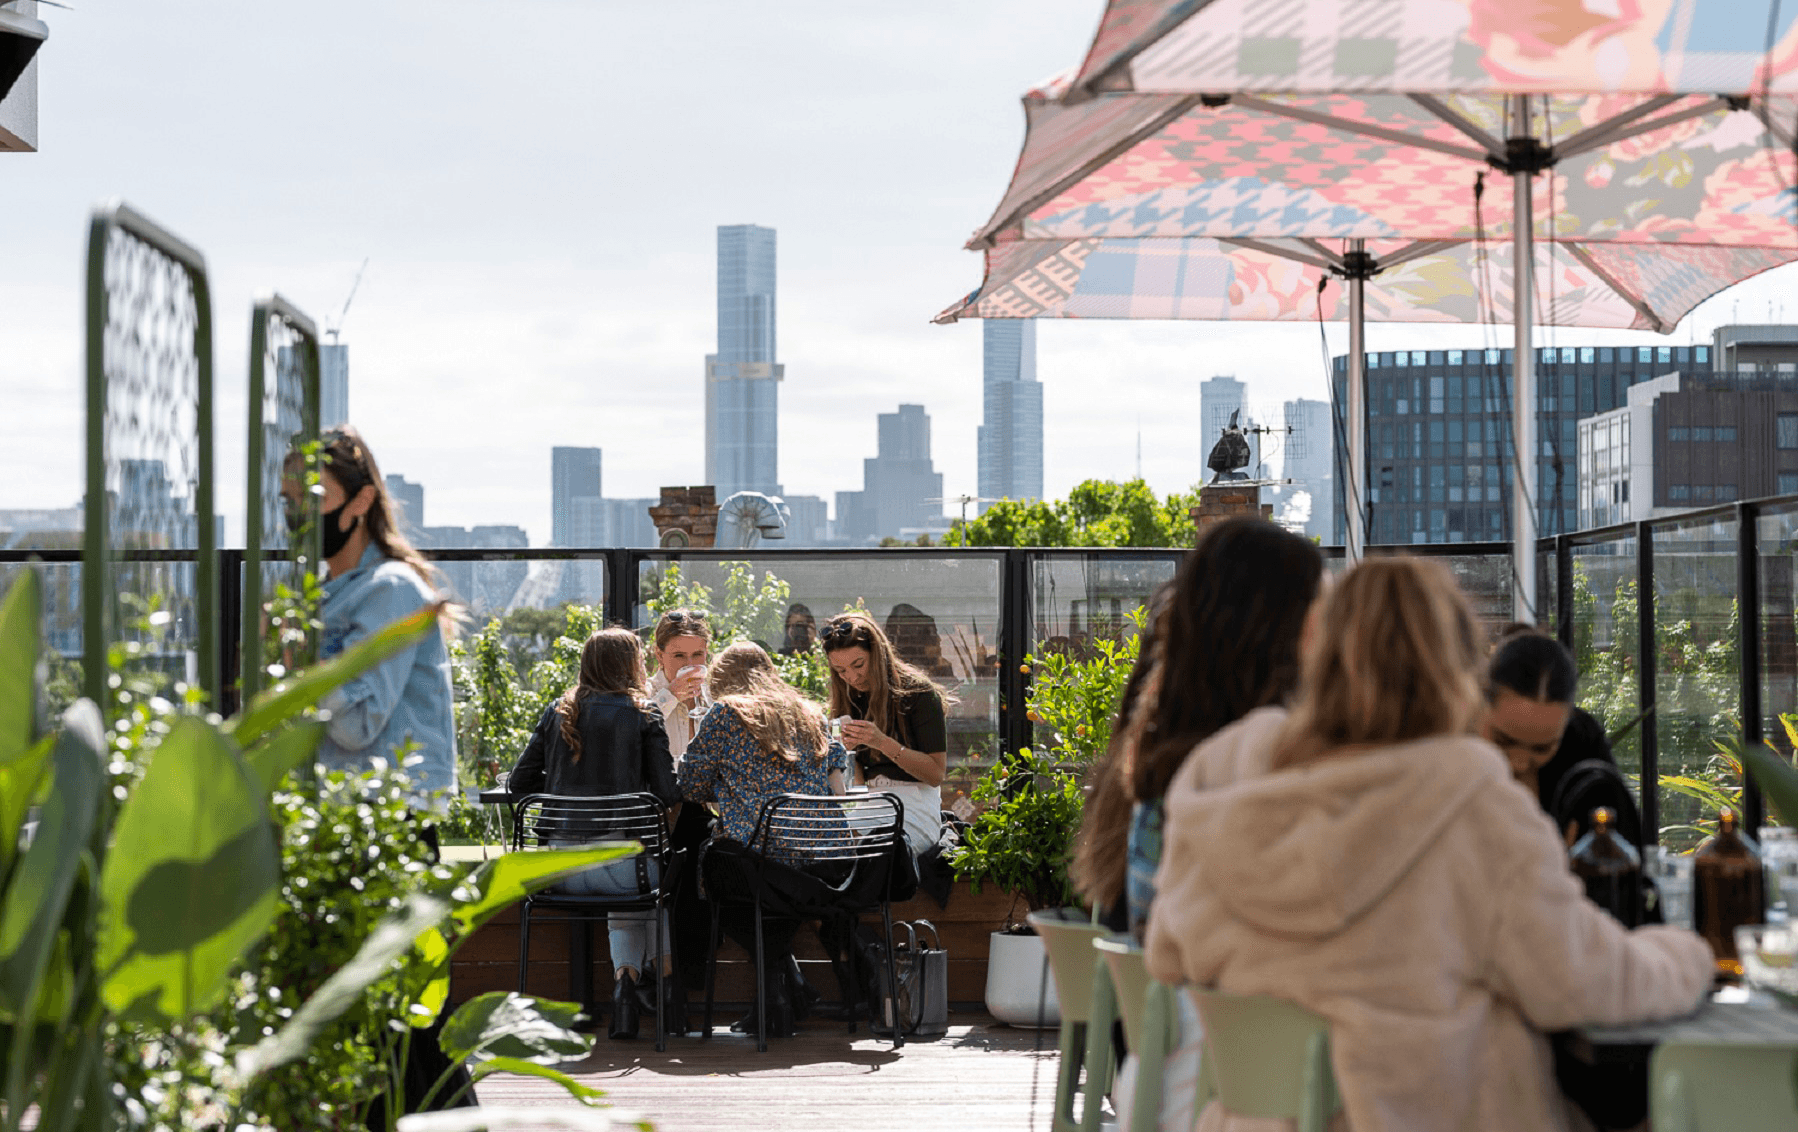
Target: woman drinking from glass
point(892, 718)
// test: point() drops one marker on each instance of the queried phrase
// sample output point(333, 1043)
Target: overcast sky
point(537, 186)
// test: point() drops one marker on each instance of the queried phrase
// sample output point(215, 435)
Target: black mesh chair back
point(560, 821)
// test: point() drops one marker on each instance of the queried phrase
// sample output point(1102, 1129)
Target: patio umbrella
point(1220, 160)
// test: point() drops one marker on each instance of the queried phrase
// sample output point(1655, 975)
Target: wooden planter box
point(488, 961)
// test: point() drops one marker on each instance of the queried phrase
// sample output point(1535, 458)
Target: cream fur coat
point(1417, 898)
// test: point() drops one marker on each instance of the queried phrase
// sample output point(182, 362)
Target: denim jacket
point(406, 697)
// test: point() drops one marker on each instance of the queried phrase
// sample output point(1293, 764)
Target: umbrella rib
point(1347, 125)
point(986, 237)
point(1621, 127)
point(1654, 320)
point(1416, 250)
point(1266, 248)
point(1765, 114)
point(1318, 246)
point(1442, 110)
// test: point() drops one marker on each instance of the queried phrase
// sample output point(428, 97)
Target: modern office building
point(1308, 459)
point(1691, 439)
point(409, 498)
point(486, 588)
point(742, 380)
point(1440, 451)
point(808, 521)
point(333, 385)
point(1010, 437)
point(898, 484)
point(576, 496)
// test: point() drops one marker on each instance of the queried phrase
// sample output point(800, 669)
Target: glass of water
point(1672, 873)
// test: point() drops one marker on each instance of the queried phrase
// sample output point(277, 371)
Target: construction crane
point(331, 328)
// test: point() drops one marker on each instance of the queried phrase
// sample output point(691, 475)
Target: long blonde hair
point(1393, 657)
point(611, 663)
point(785, 725)
point(893, 678)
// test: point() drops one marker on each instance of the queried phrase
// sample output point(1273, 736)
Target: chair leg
point(761, 990)
point(662, 977)
point(524, 943)
point(711, 967)
point(886, 917)
point(1099, 1059)
point(1067, 1081)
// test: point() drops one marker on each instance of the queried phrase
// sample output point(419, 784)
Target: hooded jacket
point(1417, 898)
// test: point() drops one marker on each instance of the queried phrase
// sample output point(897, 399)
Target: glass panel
point(1777, 536)
point(1548, 604)
point(1076, 600)
point(1697, 670)
point(1604, 643)
point(493, 587)
point(942, 610)
point(60, 587)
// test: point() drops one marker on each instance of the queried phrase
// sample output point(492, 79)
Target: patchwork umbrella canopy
point(1224, 160)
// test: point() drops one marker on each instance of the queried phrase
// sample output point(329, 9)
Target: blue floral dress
point(724, 764)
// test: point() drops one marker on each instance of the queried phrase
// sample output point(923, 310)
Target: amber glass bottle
point(1727, 890)
point(1610, 868)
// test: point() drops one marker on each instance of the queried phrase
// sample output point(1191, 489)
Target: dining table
point(1730, 1015)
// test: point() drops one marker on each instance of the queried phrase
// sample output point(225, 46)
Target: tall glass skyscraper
point(1011, 439)
point(742, 380)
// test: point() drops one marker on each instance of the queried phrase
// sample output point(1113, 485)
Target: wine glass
point(702, 703)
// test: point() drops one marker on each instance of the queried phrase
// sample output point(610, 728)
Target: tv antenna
point(964, 500)
point(331, 328)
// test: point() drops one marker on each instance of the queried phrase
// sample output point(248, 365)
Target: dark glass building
point(1439, 447)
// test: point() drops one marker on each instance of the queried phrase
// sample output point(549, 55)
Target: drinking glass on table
point(1672, 873)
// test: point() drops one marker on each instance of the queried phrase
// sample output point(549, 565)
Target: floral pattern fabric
point(725, 764)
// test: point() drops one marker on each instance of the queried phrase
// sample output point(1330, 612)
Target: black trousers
point(690, 917)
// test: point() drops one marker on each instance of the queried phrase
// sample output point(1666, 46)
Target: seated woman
point(1226, 634)
point(1531, 717)
point(760, 739)
point(896, 725)
point(1389, 876)
point(601, 738)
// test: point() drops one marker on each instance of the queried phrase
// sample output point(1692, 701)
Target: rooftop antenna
point(332, 327)
point(1139, 448)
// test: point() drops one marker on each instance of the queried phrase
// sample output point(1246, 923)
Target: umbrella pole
point(1355, 491)
point(1523, 384)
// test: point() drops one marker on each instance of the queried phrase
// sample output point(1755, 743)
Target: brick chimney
point(1226, 500)
point(686, 516)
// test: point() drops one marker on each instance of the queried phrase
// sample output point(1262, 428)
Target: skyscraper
point(742, 380)
point(409, 497)
point(1011, 438)
point(899, 484)
point(577, 509)
point(333, 385)
point(1308, 458)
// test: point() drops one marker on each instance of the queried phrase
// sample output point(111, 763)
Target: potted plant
point(1029, 807)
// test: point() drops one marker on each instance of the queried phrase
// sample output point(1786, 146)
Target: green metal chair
point(1068, 935)
point(1151, 1026)
point(1700, 1087)
point(1266, 1057)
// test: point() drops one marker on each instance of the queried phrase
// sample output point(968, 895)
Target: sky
point(536, 187)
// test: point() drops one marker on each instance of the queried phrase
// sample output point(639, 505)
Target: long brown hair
point(785, 724)
point(1395, 656)
point(1227, 643)
point(893, 679)
point(611, 664)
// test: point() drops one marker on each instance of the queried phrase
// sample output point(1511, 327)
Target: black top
point(624, 750)
point(1585, 739)
point(921, 727)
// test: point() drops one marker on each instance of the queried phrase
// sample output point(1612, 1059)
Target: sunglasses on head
point(682, 616)
point(847, 632)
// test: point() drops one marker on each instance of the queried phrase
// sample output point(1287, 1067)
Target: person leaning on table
point(1389, 875)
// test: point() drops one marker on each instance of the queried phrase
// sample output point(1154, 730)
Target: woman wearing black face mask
point(374, 578)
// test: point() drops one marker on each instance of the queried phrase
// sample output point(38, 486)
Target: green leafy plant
point(1095, 513)
point(1029, 802)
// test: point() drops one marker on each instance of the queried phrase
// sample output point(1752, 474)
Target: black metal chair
point(815, 857)
point(547, 821)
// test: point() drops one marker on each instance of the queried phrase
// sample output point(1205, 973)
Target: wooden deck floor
point(982, 1077)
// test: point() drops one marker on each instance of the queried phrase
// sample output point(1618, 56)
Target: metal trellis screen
point(283, 421)
point(149, 456)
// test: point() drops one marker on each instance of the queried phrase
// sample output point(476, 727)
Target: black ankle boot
point(780, 1010)
point(803, 995)
point(624, 1008)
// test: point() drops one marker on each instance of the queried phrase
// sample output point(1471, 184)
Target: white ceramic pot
point(1020, 991)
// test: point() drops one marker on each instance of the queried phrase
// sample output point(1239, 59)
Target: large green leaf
point(509, 1024)
point(503, 881)
point(22, 783)
point(1777, 780)
point(586, 1094)
point(271, 710)
point(392, 938)
point(191, 881)
point(272, 759)
point(21, 665)
point(31, 909)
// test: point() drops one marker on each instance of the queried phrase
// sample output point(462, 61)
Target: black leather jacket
point(624, 750)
